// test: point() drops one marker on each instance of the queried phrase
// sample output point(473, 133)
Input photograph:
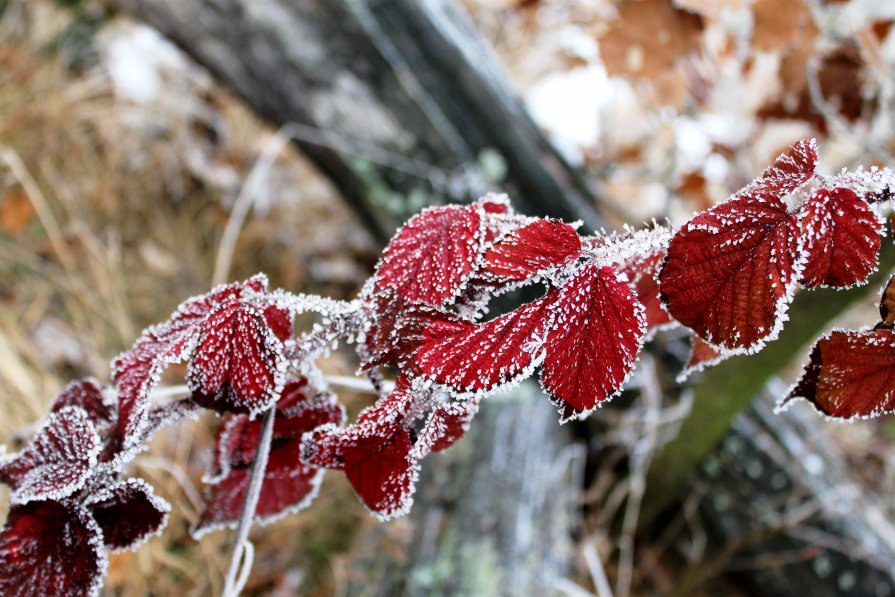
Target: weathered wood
point(785, 515)
point(404, 103)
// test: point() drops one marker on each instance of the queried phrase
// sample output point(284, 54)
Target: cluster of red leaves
point(70, 502)
point(729, 275)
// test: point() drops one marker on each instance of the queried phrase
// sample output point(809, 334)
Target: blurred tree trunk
point(402, 105)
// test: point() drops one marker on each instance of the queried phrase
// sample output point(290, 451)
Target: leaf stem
point(232, 588)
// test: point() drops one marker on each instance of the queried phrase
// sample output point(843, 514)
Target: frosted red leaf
point(792, 169)
point(850, 375)
point(494, 203)
point(58, 460)
point(289, 484)
point(87, 395)
point(447, 424)
point(238, 364)
point(428, 260)
point(731, 272)
point(397, 331)
point(375, 458)
point(531, 249)
point(841, 236)
point(128, 513)
point(47, 548)
point(702, 356)
point(374, 453)
point(593, 343)
point(475, 358)
point(137, 370)
point(642, 271)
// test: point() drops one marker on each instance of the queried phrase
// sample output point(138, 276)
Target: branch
point(242, 547)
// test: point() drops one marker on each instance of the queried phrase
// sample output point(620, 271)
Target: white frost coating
point(60, 458)
point(616, 248)
point(875, 182)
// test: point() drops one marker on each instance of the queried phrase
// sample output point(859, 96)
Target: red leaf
point(238, 365)
point(375, 453)
point(731, 272)
point(428, 260)
point(851, 374)
point(128, 514)
point(702, 356)
point(58, 460)
point(841, 237)
point(791, 170)
point(642, 271)
point(530, 250)
point(593, 344)
point(137, 370)
point(479, 357)
point(289, 485)
point(87, 395)
point(47, 548)
point(397, 331)
point(446, 425)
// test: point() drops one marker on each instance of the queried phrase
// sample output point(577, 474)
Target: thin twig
point(241, 555)
point(596, 570)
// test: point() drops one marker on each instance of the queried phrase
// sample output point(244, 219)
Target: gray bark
point(785, 514)
point(404, 103)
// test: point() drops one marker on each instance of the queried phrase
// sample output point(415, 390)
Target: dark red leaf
point(851, 374)
point(593, 343)
point(137, 371)
point(791, 170)
point(446, 425)
point(397, 330)
point(297, 413)
point(289, 485)
point(88, 395)
point(238, 365)
point(530, 250)
point(702, 356)
point(57, 461)
point(375, 453)
point(128, 513)
point(841, 238)
point(428, 260)
point(285, 491)
point(479, 357)
point(731, 272)
point(50, 549)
